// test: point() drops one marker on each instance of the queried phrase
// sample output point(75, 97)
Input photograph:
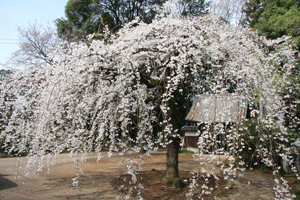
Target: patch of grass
point(5, 155)
point(169, 181)
point(159, 153)
point(186, 152)
point(178, 183)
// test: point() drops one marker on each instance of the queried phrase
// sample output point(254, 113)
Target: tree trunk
point(172, 158)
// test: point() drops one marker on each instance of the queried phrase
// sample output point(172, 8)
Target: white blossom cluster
point(101, 95)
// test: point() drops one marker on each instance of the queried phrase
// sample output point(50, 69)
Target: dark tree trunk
point(172, 158)
point(174, 114)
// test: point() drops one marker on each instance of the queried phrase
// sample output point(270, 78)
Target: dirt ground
point(95, 183)
point(154, 180)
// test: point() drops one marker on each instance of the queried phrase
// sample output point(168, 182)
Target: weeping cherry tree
point(123, 95)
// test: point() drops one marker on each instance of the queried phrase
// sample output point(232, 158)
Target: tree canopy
point(82, 19)
point(87, 17)
point(114, 95)
point(274, 18)
point(193, 7)
point(252, 11)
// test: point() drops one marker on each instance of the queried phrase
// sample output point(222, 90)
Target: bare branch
point(229, 10)
point(35, 42)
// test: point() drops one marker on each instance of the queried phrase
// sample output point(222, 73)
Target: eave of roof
point(189, 128)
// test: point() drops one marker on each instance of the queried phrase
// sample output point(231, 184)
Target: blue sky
point(15, 13)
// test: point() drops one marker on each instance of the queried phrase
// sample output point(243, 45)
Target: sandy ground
point(95, 182)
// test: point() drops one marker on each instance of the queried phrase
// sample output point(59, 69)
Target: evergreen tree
point(274, 19)
point(82, 19)
point(85, 17)
point(252, 11)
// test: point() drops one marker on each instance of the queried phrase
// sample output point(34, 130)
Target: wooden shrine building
point(212, 109)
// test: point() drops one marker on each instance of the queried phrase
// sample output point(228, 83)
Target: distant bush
point(5, 155)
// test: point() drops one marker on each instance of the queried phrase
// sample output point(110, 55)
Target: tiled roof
point(218, 108)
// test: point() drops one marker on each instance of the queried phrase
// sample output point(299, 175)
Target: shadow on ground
point(6, 183)
point(92, 186)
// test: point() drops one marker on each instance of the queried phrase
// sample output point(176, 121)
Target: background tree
point(252, 11)
point(228, 10)
point(36, 41)
point(274, 18)
point(124, 11)
point(82, 19)
point(192, 7)
point(87, 17)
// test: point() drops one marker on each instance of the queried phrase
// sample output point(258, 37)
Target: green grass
point(5, 155)
point(176, 182)
point(186, 152)
point(169, 181)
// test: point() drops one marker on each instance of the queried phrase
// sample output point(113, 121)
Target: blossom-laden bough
point(123, 95)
